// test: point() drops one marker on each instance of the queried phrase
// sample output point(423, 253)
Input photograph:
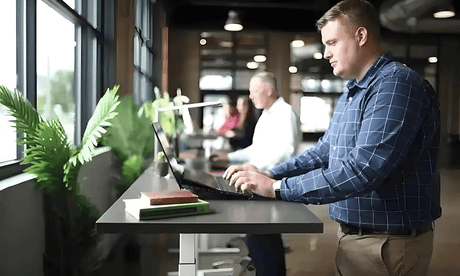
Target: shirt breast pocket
point(349, 127)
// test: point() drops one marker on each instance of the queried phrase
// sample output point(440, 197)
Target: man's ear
point(269, 89)
point(361, 36)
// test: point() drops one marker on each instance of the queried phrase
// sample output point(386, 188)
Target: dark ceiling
point(256, 15)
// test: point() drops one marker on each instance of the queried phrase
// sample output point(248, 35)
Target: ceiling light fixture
point(432, 59)
point(252, 65)
point(292, 69)
point(445, 11)
point(317, 56)
point(298, 43)
point(260, 58)
point(233, 23)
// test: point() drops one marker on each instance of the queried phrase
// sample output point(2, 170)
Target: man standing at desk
point(376, 165)
point(276, 139)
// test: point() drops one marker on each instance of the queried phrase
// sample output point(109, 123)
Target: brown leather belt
point(427, 226)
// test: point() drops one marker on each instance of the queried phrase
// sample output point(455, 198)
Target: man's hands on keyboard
point(247, 178)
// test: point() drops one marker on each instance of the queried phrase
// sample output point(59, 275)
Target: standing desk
point(227, 216)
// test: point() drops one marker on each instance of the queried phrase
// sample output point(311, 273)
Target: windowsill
point(14, 180)
point(24, 177)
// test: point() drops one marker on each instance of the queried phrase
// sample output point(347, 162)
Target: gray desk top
point(227, 216)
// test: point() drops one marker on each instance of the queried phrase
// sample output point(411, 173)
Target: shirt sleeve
point(313, 158)
point(391, 117)
point(240, 156)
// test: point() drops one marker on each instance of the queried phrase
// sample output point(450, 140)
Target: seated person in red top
point(241, 136)
point(231, 119)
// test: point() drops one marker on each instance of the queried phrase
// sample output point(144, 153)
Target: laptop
point(204, 185)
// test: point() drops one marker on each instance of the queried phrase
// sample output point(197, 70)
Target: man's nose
point(327, 54)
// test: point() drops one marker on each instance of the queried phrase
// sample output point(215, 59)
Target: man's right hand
point(236, 168)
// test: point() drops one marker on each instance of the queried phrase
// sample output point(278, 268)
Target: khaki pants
point(383, 255)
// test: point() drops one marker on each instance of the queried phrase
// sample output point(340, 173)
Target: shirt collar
point(274, 105)
point(371, 73)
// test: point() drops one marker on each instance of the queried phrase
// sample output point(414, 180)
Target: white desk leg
point(187, 255)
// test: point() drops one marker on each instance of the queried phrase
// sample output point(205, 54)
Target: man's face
point(258, 93)
point(341, 48)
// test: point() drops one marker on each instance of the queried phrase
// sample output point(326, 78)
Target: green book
point(142, 211)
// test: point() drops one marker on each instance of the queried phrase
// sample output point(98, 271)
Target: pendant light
point(233, 23)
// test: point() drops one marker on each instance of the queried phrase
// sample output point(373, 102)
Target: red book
point(169, 197)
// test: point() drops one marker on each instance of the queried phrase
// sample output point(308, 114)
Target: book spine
point(158, 201)
point(173, 212)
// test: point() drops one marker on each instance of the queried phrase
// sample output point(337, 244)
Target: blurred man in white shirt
point(277, 133)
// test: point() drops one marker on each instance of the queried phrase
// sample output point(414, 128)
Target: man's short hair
point(361, 13)
point(268, 77)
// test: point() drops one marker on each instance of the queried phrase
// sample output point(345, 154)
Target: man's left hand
point(253, 181)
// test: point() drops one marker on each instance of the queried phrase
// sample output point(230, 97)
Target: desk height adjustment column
point(187, 255)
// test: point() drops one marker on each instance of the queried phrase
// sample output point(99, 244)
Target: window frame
point(144, 79)
point(93, 59)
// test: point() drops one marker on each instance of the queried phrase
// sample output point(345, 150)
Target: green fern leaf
point(47, 154)
point(130, 133)
point(26, 118)
point(105, 111)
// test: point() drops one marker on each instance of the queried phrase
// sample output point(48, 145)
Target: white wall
point(22, 229)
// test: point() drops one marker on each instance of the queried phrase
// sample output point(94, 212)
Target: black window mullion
point(67, 12)
point(88, 76)
point(26, 57)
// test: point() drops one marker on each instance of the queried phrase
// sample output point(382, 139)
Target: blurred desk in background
point(208, 141)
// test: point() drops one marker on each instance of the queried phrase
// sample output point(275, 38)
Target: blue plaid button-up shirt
point(376, 164)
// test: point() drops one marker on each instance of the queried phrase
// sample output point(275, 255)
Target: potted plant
point(170, 120)
point(131, 137)
point(132, 140)
point(70, 217)
point(162, 164)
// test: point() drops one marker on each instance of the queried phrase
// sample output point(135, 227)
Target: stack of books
point(158, 205)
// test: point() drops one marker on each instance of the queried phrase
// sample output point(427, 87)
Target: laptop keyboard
point(224, 185)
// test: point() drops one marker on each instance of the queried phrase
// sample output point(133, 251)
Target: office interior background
point(64, 54)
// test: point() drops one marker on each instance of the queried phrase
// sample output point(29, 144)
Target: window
point(315, 113)
point(55, 67)
point(7, 76)
point(71, 3)
point(143, 52)
point(54, 53)
point(213, 116)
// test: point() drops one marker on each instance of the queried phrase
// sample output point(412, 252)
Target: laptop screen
point(179, 172)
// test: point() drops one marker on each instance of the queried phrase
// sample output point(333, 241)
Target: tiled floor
point(313, 254)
